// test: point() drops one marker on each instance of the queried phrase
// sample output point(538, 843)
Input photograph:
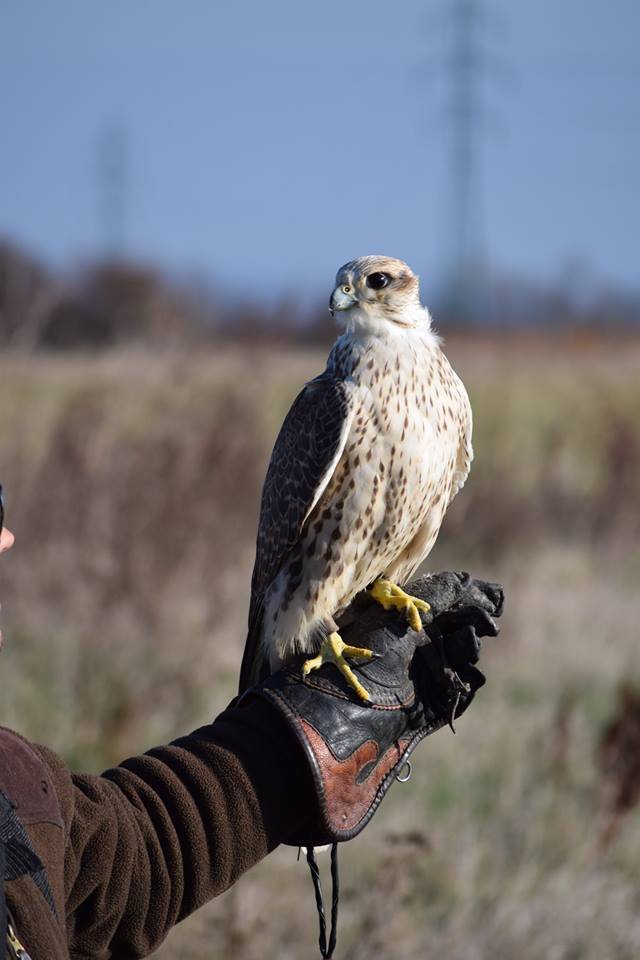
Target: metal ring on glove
point(405, 766)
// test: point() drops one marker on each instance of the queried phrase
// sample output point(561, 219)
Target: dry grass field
point(133, 483)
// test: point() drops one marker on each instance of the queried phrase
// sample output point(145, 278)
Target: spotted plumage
point(365, 465)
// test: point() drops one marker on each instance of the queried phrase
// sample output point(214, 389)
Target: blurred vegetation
point(115, 302)
point(132, 479)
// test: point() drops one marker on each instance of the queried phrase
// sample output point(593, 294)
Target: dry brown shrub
point(618, 758)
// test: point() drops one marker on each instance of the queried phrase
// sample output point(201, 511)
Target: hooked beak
point(340, 300)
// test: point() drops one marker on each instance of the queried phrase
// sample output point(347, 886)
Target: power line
point(113, 186)
point(465, 292)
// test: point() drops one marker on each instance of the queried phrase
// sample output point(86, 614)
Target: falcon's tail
point(255, 664)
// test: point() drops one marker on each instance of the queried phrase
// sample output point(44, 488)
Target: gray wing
point(306, 452)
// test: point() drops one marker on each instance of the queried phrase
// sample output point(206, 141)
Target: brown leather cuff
point(354, 752)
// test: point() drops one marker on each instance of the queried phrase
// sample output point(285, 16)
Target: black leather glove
point(462, 613)
point(418, 682)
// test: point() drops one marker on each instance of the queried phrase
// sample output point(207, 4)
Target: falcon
point(365, 465)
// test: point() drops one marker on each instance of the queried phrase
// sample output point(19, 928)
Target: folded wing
point(307, 450)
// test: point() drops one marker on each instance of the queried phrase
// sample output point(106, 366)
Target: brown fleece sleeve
point(153, 839)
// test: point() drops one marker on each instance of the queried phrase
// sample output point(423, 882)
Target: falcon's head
point(372, 292)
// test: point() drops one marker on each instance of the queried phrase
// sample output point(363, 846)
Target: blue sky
point(268, 143)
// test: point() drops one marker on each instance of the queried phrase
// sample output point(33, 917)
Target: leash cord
point(326, 950)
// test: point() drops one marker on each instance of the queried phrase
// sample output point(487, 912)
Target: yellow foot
point(393, 597)
point(335, 650)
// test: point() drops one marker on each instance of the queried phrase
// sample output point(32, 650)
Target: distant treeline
point(112, 302)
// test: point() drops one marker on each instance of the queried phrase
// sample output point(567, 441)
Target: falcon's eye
point(378, 280)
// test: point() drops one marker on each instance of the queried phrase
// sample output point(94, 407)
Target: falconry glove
point(417, 681)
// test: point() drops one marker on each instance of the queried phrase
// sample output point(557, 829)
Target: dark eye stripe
point(376, 281)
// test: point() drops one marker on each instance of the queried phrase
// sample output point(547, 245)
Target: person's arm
point(153, 839)
point(294, 760)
